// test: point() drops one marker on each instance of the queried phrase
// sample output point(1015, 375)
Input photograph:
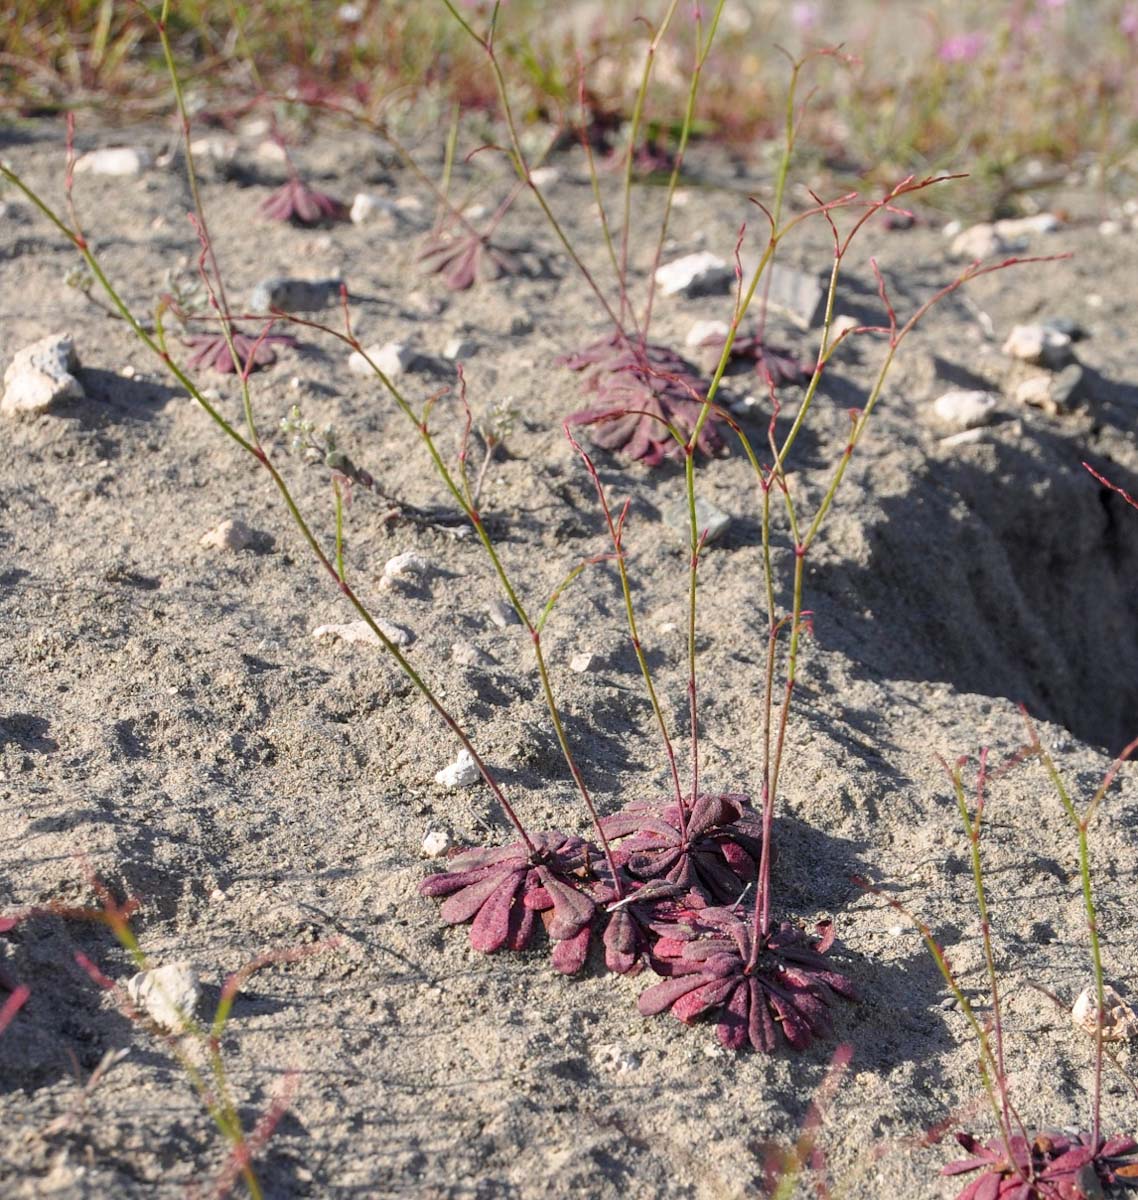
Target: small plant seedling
point(295, 201)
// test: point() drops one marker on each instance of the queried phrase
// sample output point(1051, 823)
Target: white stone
point(978, 241)
point(460, 348)
point(168, 995)
point(216, 148)
point(952, 228)
point(409, 204)
point(1035, 391)
point(1120, 1021)
point(582, 662)
point(408, 565)
point(461, 773)
point(1110, 228)
point(114, 160)
point(466, 654)
point(1037, 344)
point(843, 323)
point(966, 437)
point(231, 534)
point(361, 631)
point(436, 843)
point(392, 358)
point(963, 408)
point(702, 331)
point(368, 209)
point(544, 176)
point(694, 274)
point(612, 1056)
point(1012, 228)
point(40, 374)
point(270, 152)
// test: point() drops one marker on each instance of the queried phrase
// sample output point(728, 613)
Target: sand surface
point(166, 712)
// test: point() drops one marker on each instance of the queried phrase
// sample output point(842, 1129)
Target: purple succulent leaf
point(569, 954)
point(774, 365)
point(761, 1028)
point(464, 904)
point(295, 201)
point(523, 921)
point(212, 350)
point(572, 909)
point(661, 996)
point(490, 929)
point(623, 942)
point(733, 1028)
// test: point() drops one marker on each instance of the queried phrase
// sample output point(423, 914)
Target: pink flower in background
point(962, 47)
point(1128, 21)
point(804, 16)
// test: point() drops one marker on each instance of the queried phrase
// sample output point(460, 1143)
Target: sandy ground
point(166, 713)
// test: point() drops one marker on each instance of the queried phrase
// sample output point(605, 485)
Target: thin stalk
point(616, 535)
point(703, 49)
point(629, 153)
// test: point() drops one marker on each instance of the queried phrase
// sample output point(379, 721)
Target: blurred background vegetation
point(1008, 89)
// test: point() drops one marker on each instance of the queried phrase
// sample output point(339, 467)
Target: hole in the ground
point(1006, 572)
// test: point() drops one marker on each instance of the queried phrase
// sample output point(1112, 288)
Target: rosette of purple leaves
point(503, 890)
point(212, 350)
point(464, 258)
point(715, 852)
point(295, 201)
point(785, 983)
point(774, 365)
point(1051, 1167)
point(640, 389)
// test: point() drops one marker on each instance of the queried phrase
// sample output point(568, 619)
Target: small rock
point(392, 358)
point(114, 160)
point(843, 323)
point(461, 773)
point(979, 241)
point(1109, 228)
point(582, 662)
point(502, 613)
point(436, 843)
point(951, 229)
point(744, 406)
point(270, 152)
point(521, 324)
point(168, 995)
point(294, 295)
point(1035, 392)
point(964, 409)
point(966, 437)
point(460, 348)
point(409, 565)
point(466, 654)
point(544, 176)
point(703, 331)
point(707, 516)
point(694, 275)
point(375, 210)
point(1038, 344)
point(1066, 387)
point(361, 631)
point(1120, 1021)
point(1012, 228)
point(219, 149)
point(614, 1057)
point(40, 374)
point(230, 535)
point(409, 204)
point(1067, 325)
point(798, 294)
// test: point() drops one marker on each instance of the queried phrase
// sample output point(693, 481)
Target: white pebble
point(964, 409)
point(408, 565)
point(113, 160)
point(361, 631)
point(544, 176)
point(168, 995)
point(460, 348)
point(694, 274)
point(392, 358)
point(1012, 228)
point(231, 534)
point(981, 241)
point(1120, 1021)
point(374, 210)
point(461, 773)
point(703, 331)
point(40, 374)
point(1037, 344)
point(436, 843)
point(582, 662)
